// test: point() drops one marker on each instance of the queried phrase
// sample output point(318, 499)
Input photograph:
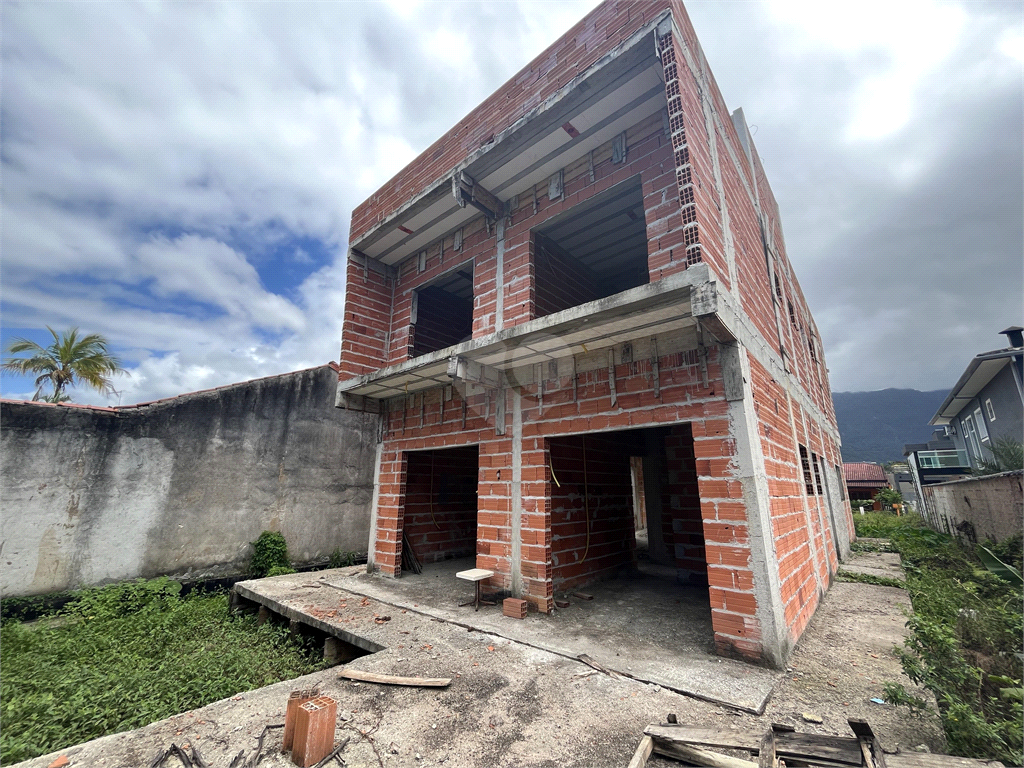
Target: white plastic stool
point(476, 575)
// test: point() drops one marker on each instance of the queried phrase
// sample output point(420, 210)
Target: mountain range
point(875, 426)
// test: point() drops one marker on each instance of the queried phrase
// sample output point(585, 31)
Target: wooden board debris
point(642, 754)
point(782, 745)
point(415, 682)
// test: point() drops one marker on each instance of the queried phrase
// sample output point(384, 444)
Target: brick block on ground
point(514, 608)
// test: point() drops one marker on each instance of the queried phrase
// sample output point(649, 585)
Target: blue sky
point(179, 176)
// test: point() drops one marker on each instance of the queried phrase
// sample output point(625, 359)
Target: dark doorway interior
point(440, 503)
point(593, 505)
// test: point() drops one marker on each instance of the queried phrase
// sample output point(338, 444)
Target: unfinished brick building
point(582, 290)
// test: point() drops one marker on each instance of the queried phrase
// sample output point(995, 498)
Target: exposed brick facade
point(725, 420)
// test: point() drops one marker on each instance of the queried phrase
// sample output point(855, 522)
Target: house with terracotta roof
point(863, 480)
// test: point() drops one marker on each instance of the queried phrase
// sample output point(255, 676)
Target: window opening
point(971, 437)
point(990, 410)
point(594, 250)
point(805, 462)
point(817, 473)
point(443, 311)
point(980, 421)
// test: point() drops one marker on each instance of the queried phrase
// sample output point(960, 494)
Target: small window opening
point(817, 472)
point(990, 410)
point(594, 250)
point(443, 312)
point(805, 462)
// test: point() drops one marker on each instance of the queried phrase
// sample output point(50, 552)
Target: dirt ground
point(511, 704)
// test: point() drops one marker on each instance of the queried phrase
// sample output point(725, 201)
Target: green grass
point(127, 655)
point(965, 637)
point(869, 578)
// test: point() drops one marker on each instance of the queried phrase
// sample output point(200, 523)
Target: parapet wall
point(180, 487)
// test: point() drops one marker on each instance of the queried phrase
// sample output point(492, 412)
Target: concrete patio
point(642, 624)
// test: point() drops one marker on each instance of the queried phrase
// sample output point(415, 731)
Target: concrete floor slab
point(642, 624)
point(884, 564)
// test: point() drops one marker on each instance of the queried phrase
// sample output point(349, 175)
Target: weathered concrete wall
point(181, 486)
point(978, 508)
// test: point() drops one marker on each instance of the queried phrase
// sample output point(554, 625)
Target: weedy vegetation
point(269, 552)
point(121, 656)
point(965, 635)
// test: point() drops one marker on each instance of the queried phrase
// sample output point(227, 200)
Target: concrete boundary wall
point(978, 508)
point(181, 486)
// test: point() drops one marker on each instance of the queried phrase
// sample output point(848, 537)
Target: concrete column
point(516, 566)
point(371, 546)
point(750, 472)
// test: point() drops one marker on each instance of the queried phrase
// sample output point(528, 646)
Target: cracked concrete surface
point(511, 704)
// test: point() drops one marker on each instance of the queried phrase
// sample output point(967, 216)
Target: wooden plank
point(766, 751)
point(643, 752)
point(415, 682)
point(926, 760)
point(699, 756)
point(747, 738)
point(591, 663)
point(870, 747)
point(843, 750)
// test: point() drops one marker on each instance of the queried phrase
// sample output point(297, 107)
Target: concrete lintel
point(351, 402)
point(714, 311)
point(368, 262)
point(576, 95)
point(672, 289)
point(464, 369)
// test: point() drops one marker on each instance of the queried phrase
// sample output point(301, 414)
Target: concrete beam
point(466, 190)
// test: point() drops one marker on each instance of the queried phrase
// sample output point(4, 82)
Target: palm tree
point(70, 360)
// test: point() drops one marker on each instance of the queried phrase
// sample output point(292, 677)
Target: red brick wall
point(442, 320)
point(604, 28)
point(683, 528)
point(561, 281)
point(441, 503)
point(366, 323)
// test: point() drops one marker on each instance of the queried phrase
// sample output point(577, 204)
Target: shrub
point(268, 551)
point(965, 638)
point(341, 559)
point(280, 570)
